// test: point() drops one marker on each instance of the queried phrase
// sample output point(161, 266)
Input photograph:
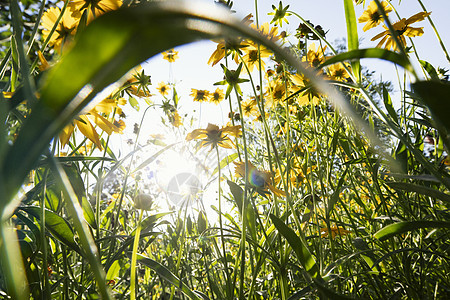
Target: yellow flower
point(199, 95)
point(229, 46)
point(338, 72)
point(277, 90)
point(260, 180)
point(249, 107)
point(372, 16)
point(83, 123)
point(163, 88)
point(175, 119)
point(44, 63)
point(65, 31)
point(217, 96)
point(403, 29)
point(313, 56)
point(252, 57)
point(214, 136)
point(170, 55)
point(95, 7)
point(335, 230)
point(226, 47)
point(270, 33)
point(308, 94)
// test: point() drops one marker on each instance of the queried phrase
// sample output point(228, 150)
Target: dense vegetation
point(325, 183)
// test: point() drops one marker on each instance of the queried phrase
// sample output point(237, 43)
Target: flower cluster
point(372, 16)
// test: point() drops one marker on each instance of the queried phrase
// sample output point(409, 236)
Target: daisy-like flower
point(335, 230)
point(163, 88)
point(217, 96)
point(225, 48)
point(215, 136)
point(252, 56)
point(229, 46)
point(309, 94)
point(170, 55)
point(199, 95)
point(372, 16)
point(276, 91)
point(175, 119)
point(65, 31)
point(249, 107)
point(261, 181)
point(403, 29)
point(95, 7)
point(338, 72)
point(84, 123)
point(315, 57)
point(271, 33)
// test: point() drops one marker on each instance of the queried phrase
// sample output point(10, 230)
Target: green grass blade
point(167, 275)
point(57, 225)
point(352, 35)
point(436, 96)
point(370, 53)
point(420, 189)
point(402, 227)
point(300, 249)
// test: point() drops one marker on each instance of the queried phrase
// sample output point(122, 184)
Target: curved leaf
point(401, 227)
point(300, 249)
point(56, 225)
point(370, 53)
point(424, 190)
point(167, 275)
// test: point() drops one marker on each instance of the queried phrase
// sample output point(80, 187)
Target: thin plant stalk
point(133, 270)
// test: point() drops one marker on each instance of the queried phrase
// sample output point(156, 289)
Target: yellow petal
point(88, 131)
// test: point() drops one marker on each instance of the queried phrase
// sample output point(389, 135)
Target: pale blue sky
point(192, 71)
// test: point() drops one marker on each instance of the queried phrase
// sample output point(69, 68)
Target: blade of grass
point(402, 227)
point(352, 35)
point(167, 275)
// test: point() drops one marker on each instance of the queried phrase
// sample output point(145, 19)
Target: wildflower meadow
point(315, 176)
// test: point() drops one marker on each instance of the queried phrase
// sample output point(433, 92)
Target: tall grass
point(324, 188)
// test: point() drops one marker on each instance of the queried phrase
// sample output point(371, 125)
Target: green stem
point(134, 257)
point(435, 31)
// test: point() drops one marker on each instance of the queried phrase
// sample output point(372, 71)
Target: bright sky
point(192, 71)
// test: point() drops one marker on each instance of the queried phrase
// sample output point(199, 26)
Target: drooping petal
point(88, 130)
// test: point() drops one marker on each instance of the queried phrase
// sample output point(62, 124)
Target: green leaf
point(225, 162)
point(420, 189)
point(113, 271)
point(388, 104)
point(335, 197)
point(56, 224)
point(370, 53)
point(436, 96)
point(167, 275)
point(402, 227)
point(352, 35)
point(148, 223)
point(134, 103)
point(237, 192)
point(300, 249)
point(430, 69)
point(78, 186)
